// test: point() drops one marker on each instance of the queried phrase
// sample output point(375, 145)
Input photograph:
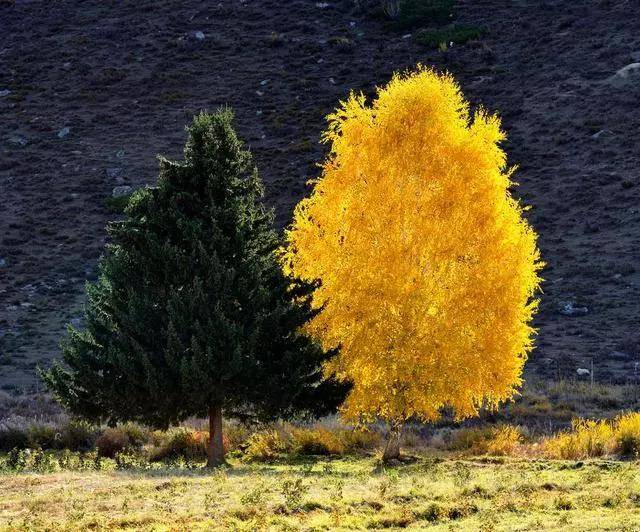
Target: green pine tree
point(191, 314)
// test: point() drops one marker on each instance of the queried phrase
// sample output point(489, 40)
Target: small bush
point(111, 442)
point(498, 440)
point(504, 441)
point(129, 437)
point(362, 440)
point(182, 443)
point(293, 491)
point(266, 445)
point(444, 37)
point(235, 436)
point(587, 439)
point(43, 437)
point(627, 434)
point(317, 441)
point(76, 435)
point(13, 438)
point(466, 439)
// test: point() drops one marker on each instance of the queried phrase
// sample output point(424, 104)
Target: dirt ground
point(91, 91)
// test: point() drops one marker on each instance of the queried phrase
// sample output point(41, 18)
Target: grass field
point(438, 493)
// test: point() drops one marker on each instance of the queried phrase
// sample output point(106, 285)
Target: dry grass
point(324, 493)
point(595, 438)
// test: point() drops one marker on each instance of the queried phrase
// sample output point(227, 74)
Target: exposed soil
point(125, 77)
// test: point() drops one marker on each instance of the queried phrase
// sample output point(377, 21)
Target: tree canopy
point(427, 267)
point(191, 314)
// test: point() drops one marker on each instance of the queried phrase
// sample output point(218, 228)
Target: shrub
point(43, 436)
point(129, 437)
point(495, 440)
point(361, 440)
point(266, 445)
point(504, 440)
point(317, 441)
point(77, 435)
point(13, 438)
point(466, 438)
point(182, 443)
point(443, 37)
point(627, 434)
point(136, 434)
point(111, 442)
point(235, 436)
point(587, 439)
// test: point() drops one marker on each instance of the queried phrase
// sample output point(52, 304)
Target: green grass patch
point(443, 37)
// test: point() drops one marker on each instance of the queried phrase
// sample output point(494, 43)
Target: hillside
point(90, 92)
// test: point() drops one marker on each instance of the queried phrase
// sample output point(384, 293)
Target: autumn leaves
point(427, 267)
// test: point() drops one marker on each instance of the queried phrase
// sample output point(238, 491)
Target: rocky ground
point(91, 91)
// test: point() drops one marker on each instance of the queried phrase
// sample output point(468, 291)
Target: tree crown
point(191, 308)
point(427, 267)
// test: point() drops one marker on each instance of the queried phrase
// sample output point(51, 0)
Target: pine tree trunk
point(392, 447)
point(215, 451)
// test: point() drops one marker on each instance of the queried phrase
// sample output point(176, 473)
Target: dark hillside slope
point(124, 77)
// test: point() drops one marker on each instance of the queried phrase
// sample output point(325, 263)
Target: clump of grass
point(589, 439)
point(627, 434)
point(563, 503)
point(500, 440)
point(266, 445)
point(343, 44)
point(586, 439)
point(453, 34)
point(317, 441)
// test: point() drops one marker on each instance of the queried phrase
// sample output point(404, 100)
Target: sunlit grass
point(344, 493)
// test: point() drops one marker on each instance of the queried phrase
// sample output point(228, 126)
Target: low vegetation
point(615, 438)
point(448, 35)
point(322, 493)
point(591, 438)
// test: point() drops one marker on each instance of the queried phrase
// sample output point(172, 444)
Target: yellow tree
point(427, 268)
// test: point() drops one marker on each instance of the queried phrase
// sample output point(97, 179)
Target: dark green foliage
point(117, 205)
point(13, 438)
point(191, 308)
point(418, 13)
point(458, 34)
point(73, 435)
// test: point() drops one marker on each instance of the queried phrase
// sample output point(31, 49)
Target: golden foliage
point(587, 439)
point(426, 264)
point(500, 440)
point(593, 438)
